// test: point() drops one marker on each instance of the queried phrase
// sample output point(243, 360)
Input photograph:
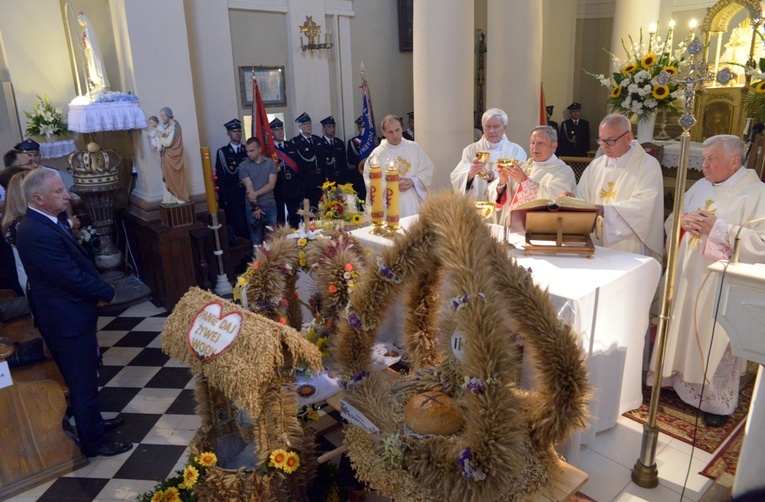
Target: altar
point(606, 299)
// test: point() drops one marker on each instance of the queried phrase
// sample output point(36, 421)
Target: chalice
point(485, 209)
point(485, 174)
point(505, 163)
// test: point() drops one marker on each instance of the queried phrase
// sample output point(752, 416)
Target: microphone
point(737, 239)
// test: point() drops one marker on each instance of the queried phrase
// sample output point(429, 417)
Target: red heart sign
point(212, 333)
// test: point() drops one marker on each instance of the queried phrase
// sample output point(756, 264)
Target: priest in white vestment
point(414, 165)
point(627, 187)
point(714, 209)
point(544, 176)
point(493, 141)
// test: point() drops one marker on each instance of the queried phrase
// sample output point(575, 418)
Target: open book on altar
point(543, 215)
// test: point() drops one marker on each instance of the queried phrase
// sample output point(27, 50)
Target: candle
point(375, 190)
point(212, 203)
point(391, 192)
point(693, 24)
point(671, 35)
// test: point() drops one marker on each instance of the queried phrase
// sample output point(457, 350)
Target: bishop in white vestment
point(544, 176)
point(627, 186)
point(493, 141)
point(714, 209)
point(414, 165)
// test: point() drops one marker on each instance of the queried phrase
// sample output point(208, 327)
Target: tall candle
point(391, 191)
point(212, 202)
point(376, 191)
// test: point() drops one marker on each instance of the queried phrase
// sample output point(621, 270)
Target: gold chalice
point(486, 173)
point(505, 163)
point(485, 209)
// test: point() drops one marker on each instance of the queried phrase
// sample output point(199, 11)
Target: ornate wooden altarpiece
point(721, 110)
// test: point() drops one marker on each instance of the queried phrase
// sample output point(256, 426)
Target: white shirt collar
point(620, 162)
point(51, 218)
point(734, 178)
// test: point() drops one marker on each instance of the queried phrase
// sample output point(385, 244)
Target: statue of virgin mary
point(95, 72)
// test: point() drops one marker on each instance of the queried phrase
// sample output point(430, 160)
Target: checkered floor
point(155, 395)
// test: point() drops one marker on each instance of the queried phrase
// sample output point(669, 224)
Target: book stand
point(570, 232)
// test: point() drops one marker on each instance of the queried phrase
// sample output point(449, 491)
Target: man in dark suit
point(334, 153)
point(409, 131)
point(550, 122)
point(308, 157)
point(354, 170)
point(64, 291)
point(574, 135)
point(230, 191)
point(287, 191)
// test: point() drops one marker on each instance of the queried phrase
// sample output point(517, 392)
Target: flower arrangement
point(45, 120)
point(339, 202)
point(634, 89)
point(180, 488)
point(280, 459)
point(89, 240)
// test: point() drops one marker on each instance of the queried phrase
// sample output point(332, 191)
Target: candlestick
point(212, 202)
point(391, 195)
point(376, 194)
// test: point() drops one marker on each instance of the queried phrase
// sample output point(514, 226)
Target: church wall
point(592, 35)
point(558, 49)
point(260, 39)
point(374, 34)
point(215, 84)
point(36, 64)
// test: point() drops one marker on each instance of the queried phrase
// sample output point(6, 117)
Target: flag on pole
point(369, 136)
point(542, 107)
point(261, 129)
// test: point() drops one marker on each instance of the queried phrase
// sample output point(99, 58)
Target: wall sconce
point(312, 33)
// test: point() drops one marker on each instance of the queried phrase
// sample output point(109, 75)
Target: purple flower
point(386, 272)
point(468, 471)
point(476, 386)
point(354, 321)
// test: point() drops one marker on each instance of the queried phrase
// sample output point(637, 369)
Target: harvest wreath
point(504, 450)
point(219, 342)
point(333, 257)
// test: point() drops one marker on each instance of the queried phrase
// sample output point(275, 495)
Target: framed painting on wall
point(270, 83)
point(405, 25)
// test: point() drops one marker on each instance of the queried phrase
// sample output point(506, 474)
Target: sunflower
point(291, 463)
point(759, 87)
point(158, 496)
point(616, 91)
point(277, 458)
point(207, 459)
point(629, 68)
point(172, 494)
point(660, 91)
point(672, 70)
point(648, 60)
point(356, 218)
point(190, 476)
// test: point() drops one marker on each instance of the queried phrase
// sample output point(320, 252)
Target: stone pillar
point(346, 91)
point(514, 64)
point(629, 17)
point(443, 82)
point(153, 51)
point(559, 55)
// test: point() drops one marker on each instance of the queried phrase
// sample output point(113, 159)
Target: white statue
point(95, 72)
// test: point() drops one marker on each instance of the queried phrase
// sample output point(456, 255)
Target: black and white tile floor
point(155, 395)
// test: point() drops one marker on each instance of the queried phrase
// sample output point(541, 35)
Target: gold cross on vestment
point(695, 240)
point(609, 194)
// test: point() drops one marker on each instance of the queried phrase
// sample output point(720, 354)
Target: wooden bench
point(35, 447)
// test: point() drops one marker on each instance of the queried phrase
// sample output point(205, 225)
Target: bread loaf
point(433, 413)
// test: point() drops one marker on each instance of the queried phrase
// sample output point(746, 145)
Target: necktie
point(65, 228)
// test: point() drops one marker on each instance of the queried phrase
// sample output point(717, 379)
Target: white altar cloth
point(606, 299)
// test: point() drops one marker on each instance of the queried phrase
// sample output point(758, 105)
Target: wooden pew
point(35, 447)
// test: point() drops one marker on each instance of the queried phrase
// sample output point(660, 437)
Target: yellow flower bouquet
point(634, 90)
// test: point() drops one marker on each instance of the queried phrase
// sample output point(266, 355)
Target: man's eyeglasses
point(610, 142)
